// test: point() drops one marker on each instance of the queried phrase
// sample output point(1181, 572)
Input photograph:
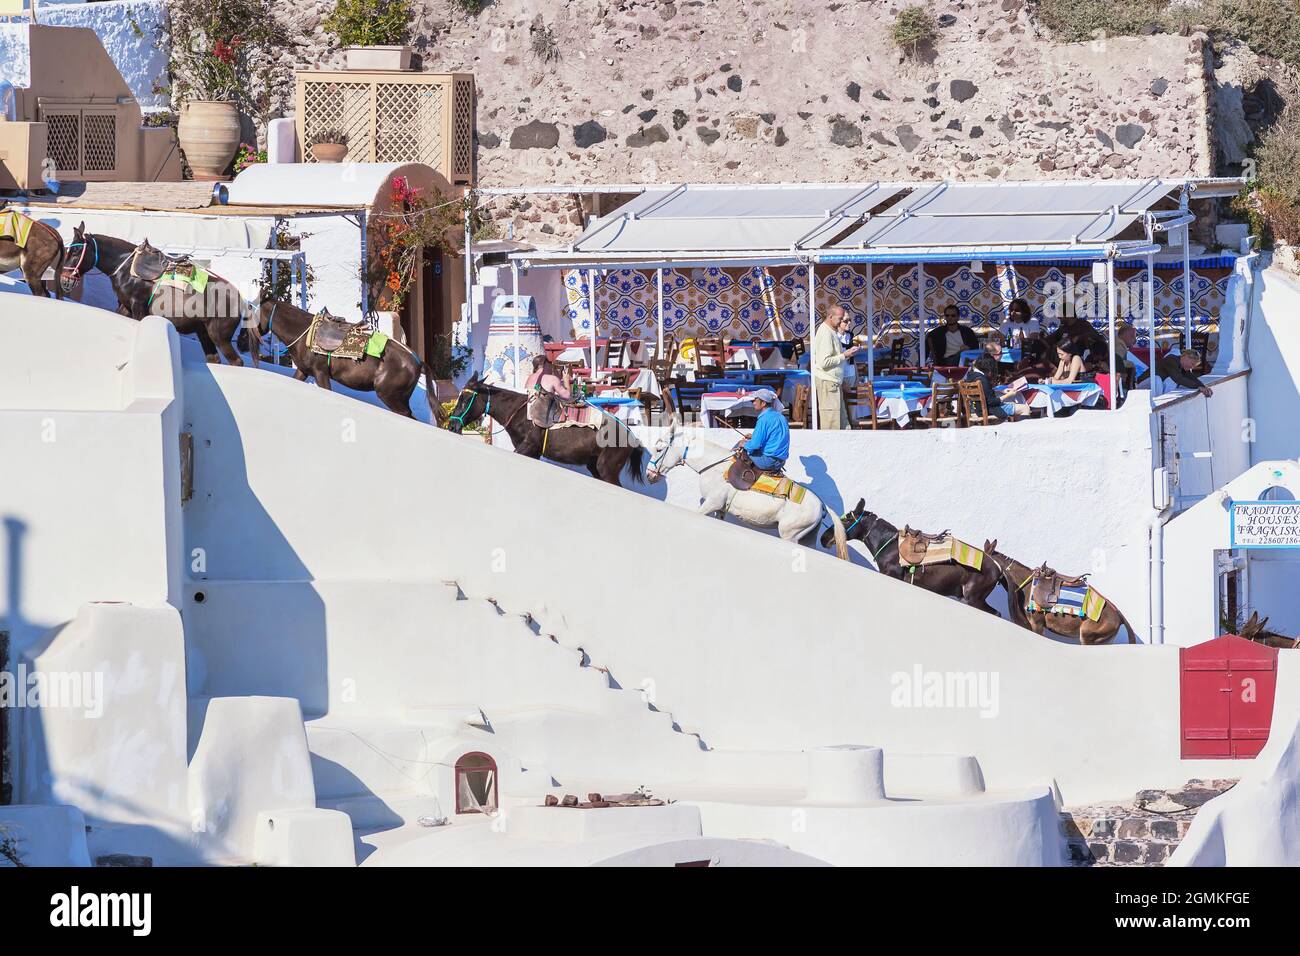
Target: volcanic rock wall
point(619, 91)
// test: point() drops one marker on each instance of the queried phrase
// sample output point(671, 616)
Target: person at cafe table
point(769, 446)
point(945, 343)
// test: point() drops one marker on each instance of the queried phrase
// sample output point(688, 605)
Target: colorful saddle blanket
point(1070, 599)
point(916, 549)
point(16, 227)
point(779, 486)
point(338, 339)
point(547, 410)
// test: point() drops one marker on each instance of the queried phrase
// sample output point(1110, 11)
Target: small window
point(476, 784)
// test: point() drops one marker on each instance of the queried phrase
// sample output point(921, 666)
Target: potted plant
point(373, 33)
point(329, 146)
point(221, 51)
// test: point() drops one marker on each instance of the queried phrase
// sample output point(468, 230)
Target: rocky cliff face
point(637, 91)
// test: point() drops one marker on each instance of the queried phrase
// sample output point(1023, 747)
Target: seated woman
point(1020, 324)
point(544, 377)
point(1001, 403)
point(1069, 369)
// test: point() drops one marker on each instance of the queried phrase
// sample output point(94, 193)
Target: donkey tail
point(841, 539)
point(636, 463)
point(1132, 638)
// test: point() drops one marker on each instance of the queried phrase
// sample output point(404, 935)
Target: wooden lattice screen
point(392, 117)
point(81, 140)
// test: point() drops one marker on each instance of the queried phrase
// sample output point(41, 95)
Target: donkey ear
point(990, 546)
point(862, 505)
point(79, 230)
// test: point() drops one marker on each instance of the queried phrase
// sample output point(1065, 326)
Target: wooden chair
point(894, 359)
point(945, 406)
point(709, 351)
point(662, 370)
point(800, 407)
point(973, 405)
point(562, 367)
point(686, 395)
point(671, 348)
point(615, 353)
point(862, 393)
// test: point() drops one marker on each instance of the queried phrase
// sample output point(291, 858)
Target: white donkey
point(791, 519)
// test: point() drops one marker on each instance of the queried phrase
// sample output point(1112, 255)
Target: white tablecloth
point(630, 413)
point(896, 404)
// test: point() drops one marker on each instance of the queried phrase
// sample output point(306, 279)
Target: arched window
point(1276, 493)
point(476, 783)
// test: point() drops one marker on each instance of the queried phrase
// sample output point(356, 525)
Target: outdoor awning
point(981, 218)
point(724, 219)
point(783, 224)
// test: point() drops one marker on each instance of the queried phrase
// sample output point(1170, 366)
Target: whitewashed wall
point(1275, 366)
point(1074, 492)
point(93, 511)
point(754, 643)
point(129, 32)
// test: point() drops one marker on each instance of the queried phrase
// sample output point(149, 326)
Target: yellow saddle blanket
point(16, 227)
point(778, 486)
point(186, 277)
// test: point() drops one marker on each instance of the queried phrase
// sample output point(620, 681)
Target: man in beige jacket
point(828, 359)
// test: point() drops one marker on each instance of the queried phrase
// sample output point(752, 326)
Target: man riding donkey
point(767, 449)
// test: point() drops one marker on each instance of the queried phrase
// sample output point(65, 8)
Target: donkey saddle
point(1045, 592)
point(917, 547)
point(742, 473)
point(336, 338)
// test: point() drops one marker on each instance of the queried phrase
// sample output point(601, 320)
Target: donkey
point(605, 451)
point(1016, 579)
point(793, 520)
point(392, 377)
point(950, 580)
point(1256, 630)
point(212, 314)
point(43, 250)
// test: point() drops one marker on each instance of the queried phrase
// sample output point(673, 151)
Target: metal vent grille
point(99, 149)
point(64, 141)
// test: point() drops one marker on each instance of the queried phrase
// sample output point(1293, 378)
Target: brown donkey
point(1017, 579)
point(43, 249)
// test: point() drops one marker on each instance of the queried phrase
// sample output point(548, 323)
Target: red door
point(1227, 687)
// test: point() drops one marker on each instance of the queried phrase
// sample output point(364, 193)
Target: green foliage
point(1270, 27)
point(472, 7)
point(280, 287)
point(370, 22)
point(913, 28)
point(219, 47)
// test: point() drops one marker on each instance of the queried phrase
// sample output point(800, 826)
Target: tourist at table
point(1181, 370)
point(769, 446)
point(945, 343)
point(1069, 365)
point(1000, 406)
point(828, 362)
point(544, 378)
point(1020, 324)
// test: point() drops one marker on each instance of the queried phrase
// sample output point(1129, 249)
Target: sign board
point(1265, 524)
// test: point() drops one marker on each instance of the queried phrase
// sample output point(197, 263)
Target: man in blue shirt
point(769, 446)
